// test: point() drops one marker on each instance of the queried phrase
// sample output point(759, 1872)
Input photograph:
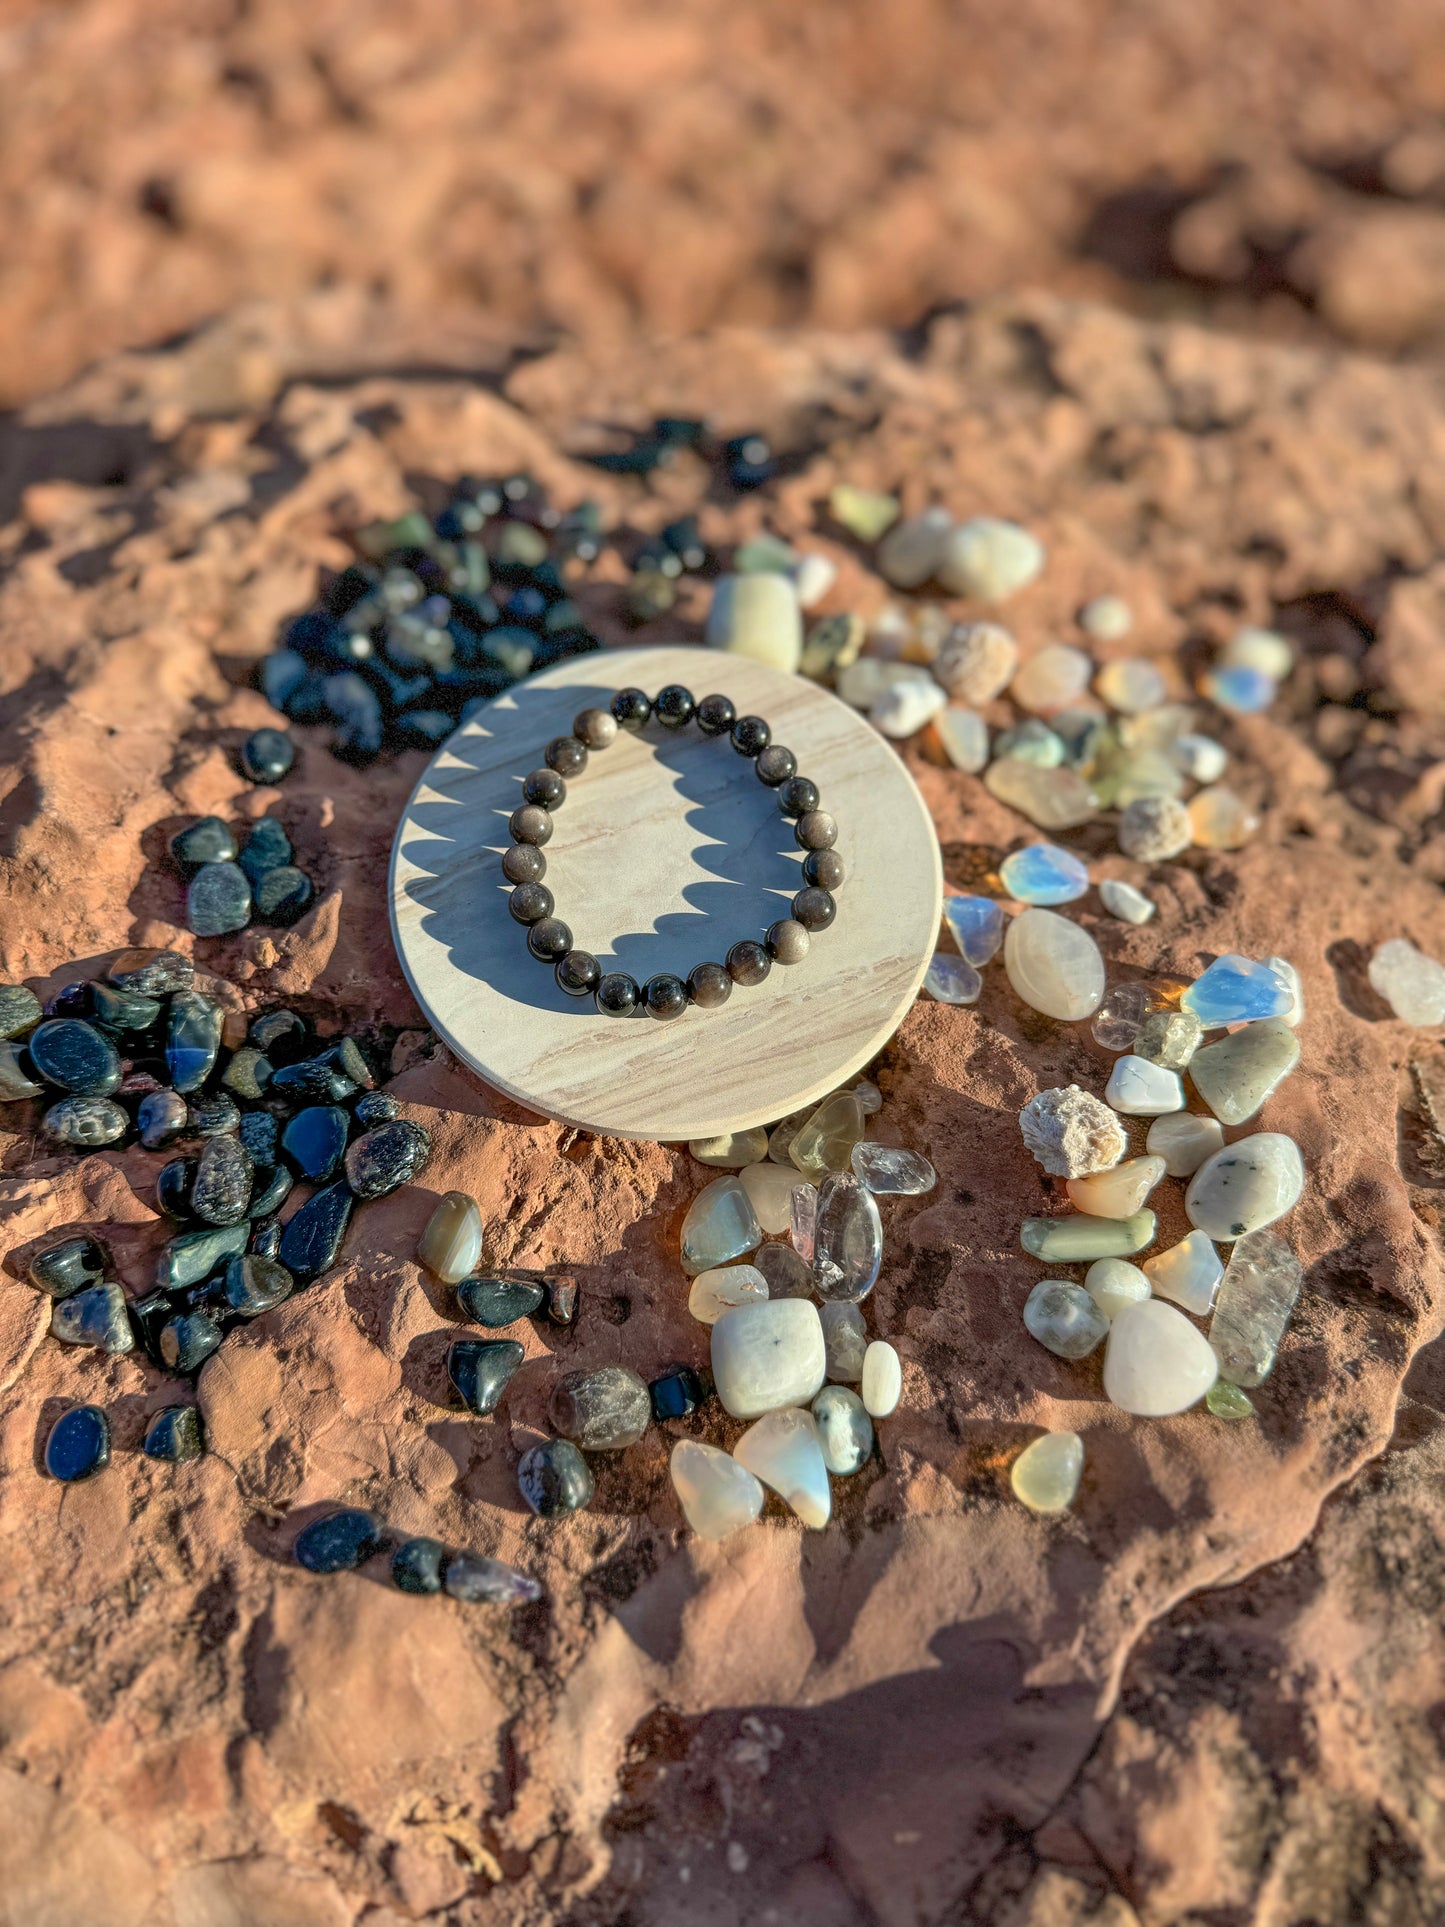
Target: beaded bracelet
point(748, 962)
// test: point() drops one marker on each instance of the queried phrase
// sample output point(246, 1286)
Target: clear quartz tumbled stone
point(847, 1241)
point(1054, 799)
point(825, 1143)
point(1256, 1297)
point(1116, 1022)
point(803, 1218)
point(1063, 1317)
point(888, 1170)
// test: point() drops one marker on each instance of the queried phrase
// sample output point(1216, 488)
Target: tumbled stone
point(194, 1255)
point(1117, 1193)
point(221, 1188)
point(193, 1039)
point(1081, 1238)
point(479, 1581)
point(1054, 965)
point(863, 681)
point(1123, 901)
point(1071, 1132)
point(207, 840)
point(767, 1356)
point(963, 736)
point(845, 1431)
point(952, 980)
point(214, 1114)
point(1235, 990)
point(74, 1056)
point(905, 706)
point(1045, 1475)
point(847, 1239)
point(732, 1150)
point(87, 1122)
point(416, 1566)
point(1187, 1274)
point(989, 558)
point(175, 1433)
point(976, 662)
point(1064, 1318)
point(676, 1394)
point(497, 1301)
point(283, 895)
point(282, 1034)
point(218, 900)
point(864, 512)
point(888, 1170)
point(1113, 1283)
point(882, 1379)
point(758, 616)
point(340, 1542)
point(562, 1298)
point(977, 926)
point(1264, 650)
point(94, 1315)
point(480, 1369)
point(1257, 1296)
point(1184, 1141)
point(267, 848)
point(314, 1142)
point(770, 1189)
point(19, 1010)
point(271, 1185)
point(910, 553)
point(451, 1245)
point(186, 1341)
point(79, 1444)
point(1168, 1038)
point(1032, 741)
point(1054, 799)
point(786, 1272)
point(251, 1285)
point(845, 1341)
point(1042, 873)
point(553, 1478)
point(1246, 1186)
point(315, 1080)
point(825, 1143)
point(1219, 820)
point(265, 1239)
point(1236, 1075)
point(716, 1493)
point(267, 755)
point(1239, 688)
point(312, 1239)
point(1154, 828)
point(720, 1225)
point(125, 1012)
point(1290, 978)
point(67, 1266)
point(1412, 984)
point(1106, 618)
point(720, 1290)
point(1156, 1362)
point(604, 1410)
point(1200, 758)
point(15, 1079)
point(1130, 685)
point(383, 1160)
point(785, 1451)
point(1117, 1021)
point(154, 973)
point(1052, 678)
point(1141, 1089)
point(1227, 1401)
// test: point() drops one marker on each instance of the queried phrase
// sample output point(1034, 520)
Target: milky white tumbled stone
point(888, 1170)
point(845, 1340)
point(732, 1150)
point(1290, 978)
point(989, 558)
point(716, 1493)
point(861, 683)
point(1200, 757)
point(882, 1379)
point(909, 555)
point(1246, 1186)
point(1262, 649)
point(1118, 1193)
point(757, 615)
point(1188, 1274)
point(451, 1244)
point(1045, 1475)
point(720, 1225)
point(784, 1450)
point(964, 736)
point(1141, 1089)
point(1071, 1132)
point(845, 1430)
point(1052, 678)
point(1106, 618)
point(1412, 984)
point(977, 662)
point(1053, 964)
point(1156, 1362)
point(1123, 901)
point(1114, 1283)
point(905, 707)
point(1130, 685)
point(813, 576)
point(1055, 799)
point(770, 1189)
point(1236, 1075)
point(767, 1356)
point(714, 1292)
point(1184, 1141)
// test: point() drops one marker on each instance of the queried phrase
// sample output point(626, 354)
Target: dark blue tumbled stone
point(173, 1188)
point(479, 1369)
point(74, 1056)
point(208, 840)
point(267, 848)
point(154, 973)
point(281, 675)
point(313, 1237)
point(281, 1034)
point(215, 1115)
point(340, 1542)
point(175, 1433)
point(162, 1116)
point(353, 705)
point(147, 1315)
point(495, 1302)
point(221, 1189)
point(265, 1237)
point(252, 1284)
point(375, 1108)
point(258, 1132)
point(284, 895)
point(79, 1444)
point(387, 1158)
point(270, 1189)
point(218, 900)
point(267, 755)
point(88, 1122)
point(67, 1266)
point(314, 1141)
point(676, 1394)
point(186, 1341)
point(554, 1478)
point(193, 1037)
point(194, 1255)
point(416, 1565)
point(126, 1011)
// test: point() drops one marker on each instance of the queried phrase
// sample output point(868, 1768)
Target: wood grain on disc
point(667, 851)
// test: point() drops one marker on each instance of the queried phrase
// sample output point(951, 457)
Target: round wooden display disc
point(667, 851)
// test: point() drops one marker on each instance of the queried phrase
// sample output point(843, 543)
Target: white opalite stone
point(714, 1292)
point(451, 1244)
point(768, 1356)
point(717, 1495)
point(882, 1379)
point(1290, 977)
point(1118, 1193)
point(861, 683)
point(813, 576)
point(1045, 1475)
point(845, 1430)
point(1412, 984)
point(952, 980)
point(1114, 1284)
point(989, 558)
point(977, 662)
point(1236, 1075)
point(1053, 678)
point(909, 555)
point(1184, 1142)
point(1053, 964)
point(1107, 618)
point(1123, 901)
point(1156, 1362)
point(770, 1188)
point(1188, 1274)
point(905, 707)
point(784, 1450)
point(1201, 758)
point(732, 1150)
point(1262, 649)
point(845, 1340)
point(1246, 1186)
point(964, 736)
point(1071, 1132)
point(1141, 1089)
point(757, 616)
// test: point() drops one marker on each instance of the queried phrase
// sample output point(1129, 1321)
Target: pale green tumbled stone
point(1114, 1284)
point(1168, 1038)
point(1045, 1475)
point(864, 512)
point(1064, 1318)
point(1236, 1075)
point(720, 1225)
point(1256, 1297)
point(845, 1430)
point(732, 1150)
point(825, 1143)
point(1227, 1401)
point(757, 616)
point(1066, 1241)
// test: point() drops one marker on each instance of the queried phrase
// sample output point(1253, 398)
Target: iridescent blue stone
point(219, 900)
point(977, 926)
point(1044, 874)
point(1235, 990)
point(79, 1444)
point(314, 1142)
point(1242, 691)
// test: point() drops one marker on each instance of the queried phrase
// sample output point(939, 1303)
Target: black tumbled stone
point(553, 1478)
point(186, 1341)
point(674, 706)
point(530, 902)
point(218, 900)
point(283, 1035)
point(67, 1266)
point(173, 1188)
point(221, 1189)
point(617, 994)
point(562, 1295)
point(79, 1444)
point(251, 1284)
point(147, 1315)
point(312, 1238)
point(207, 840)
point(270, 1188)
point(175, 1433)
point(632, 707)
point(375, 1108)
point(265, 1238)
point(387, 1158)
point(266, 848)
point(88, 1122)
point(74, 1056)
point(665, 996)
point(345, 1054)
point(95, 1315)
point(193, 1038)
point(676, 1394)
point(154, 973)
point(340, 1542)
point(126, 1011)
point(215, 1115)
point(604, 1410)
point(312, 1078)
point(15, 1079)
point(499, 1301)
point(284, 895)
point(578, 973)
point(751, 736)
point(314, 1142)
point(194, 1255)
point(716, 715)
point(267, 755)
point(257, 1131)
point(356, 709)
point(479, 1369)
point(416, 1565)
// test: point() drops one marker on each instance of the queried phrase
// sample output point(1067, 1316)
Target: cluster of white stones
point(782, 1251)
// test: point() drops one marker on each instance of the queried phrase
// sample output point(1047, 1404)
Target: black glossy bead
point(632, 708)
point(284, 896)
point(267, 848)
point(175, 1433)
point(479, 1369)
point(674, 706)
point(252, 1284)
point(257, 1131)
point(776, 765)
point(716, 715)
point(497, 1302)
point(281, 1034)
point(814, 908)
point(123, 1010)
point(566, 755)
point(617, 994)
point(173, 1188)
point(340, 1542)
point(416, 1566)
point(665, 996)
point(193, 1037)
point(74, 1056)
point(375, 1108)
point(549, 939)
point(221, 1188)
point(218, 900)
point(824, 868)
point(267, 755)
point(69, 1265)
point(186, 1341)
point(95, 1315)
point(562, 1296)
point(708, 985)
point(312, 1238)
point(79, 1444)
point(524, 863)
point(208, 840)
point(749, 963)
point(530, 823)
point(578, 973)
point(314, 1141)
point(545, 786)
point(751, 735)
point(85, 1121)
point(155, 973)
point(270, 1188)
point(385, 1159)
point(676, 1394)
point(554, 1478)
point(215, 1114)
point(530, 902)
point(816, 830)
point(798, 795)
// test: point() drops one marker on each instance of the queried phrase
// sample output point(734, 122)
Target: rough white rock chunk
point(1156, 1362)
point(1071, 1132)
point(977, 662)
point(1154, 828)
